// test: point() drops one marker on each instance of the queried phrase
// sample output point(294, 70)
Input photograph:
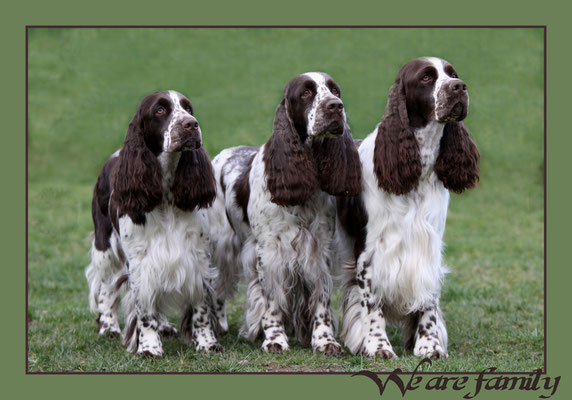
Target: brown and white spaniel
point(274, 214)
point(151, 230)
point(418, 153)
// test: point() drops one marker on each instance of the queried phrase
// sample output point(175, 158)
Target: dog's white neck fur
point(169, 163)
point(429, 140)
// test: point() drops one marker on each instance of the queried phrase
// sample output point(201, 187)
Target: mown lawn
point(84, 86)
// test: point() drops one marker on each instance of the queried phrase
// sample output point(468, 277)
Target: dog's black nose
point(458, 86)
point(334, 105)
point(190, 124)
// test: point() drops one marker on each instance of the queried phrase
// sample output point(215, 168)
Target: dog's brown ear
point(290, 172)
point(137, 176)
point(194, 185)
point(457, 163)
point(396, 159)
point(338, 164)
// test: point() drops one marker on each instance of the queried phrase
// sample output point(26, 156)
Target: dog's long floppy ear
point(137, 177)
point(194, 184)
point(288, 165)
point(338, 164)
point(457, 163)
point(396, 159)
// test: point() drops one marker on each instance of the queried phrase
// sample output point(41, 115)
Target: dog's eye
point(335, 91)
point(160, 111)
point(454, 75)
point(307, 93)
point(426, 78)
point(188, 109)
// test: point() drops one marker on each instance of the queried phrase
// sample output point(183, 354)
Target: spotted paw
point(433, 350)
point(385, 354)
point(151, 351)
point(274, 347)
point(330, 349)
point(216, 348)
point(439, 354)
point(149, 343)
point(107, 325)
point(152, 354)
point(277, 343)
point(379, 348)
point(209, 347)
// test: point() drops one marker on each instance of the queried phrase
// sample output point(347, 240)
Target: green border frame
point(294, 12)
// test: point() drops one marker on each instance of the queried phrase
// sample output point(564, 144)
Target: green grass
point(84, 86)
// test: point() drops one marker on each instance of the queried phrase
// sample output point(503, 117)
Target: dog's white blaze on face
point(322, 94)
point(176, 115)
point(442, 78)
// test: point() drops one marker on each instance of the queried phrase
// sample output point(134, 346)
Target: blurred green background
point(84, 87)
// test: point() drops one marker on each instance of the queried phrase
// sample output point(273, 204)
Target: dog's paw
point(330, 349)
point(150, 343)
point(278, 345)
point(107, 324)
point(379, 349)
point(430, 347)
point(209, 347)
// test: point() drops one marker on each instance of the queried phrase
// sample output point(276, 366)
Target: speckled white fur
point(169, 265)
point(231, 250)
point(297, 247)
point(293, 244)
point(102, 273)
point(168, 257)
point(282, 250)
